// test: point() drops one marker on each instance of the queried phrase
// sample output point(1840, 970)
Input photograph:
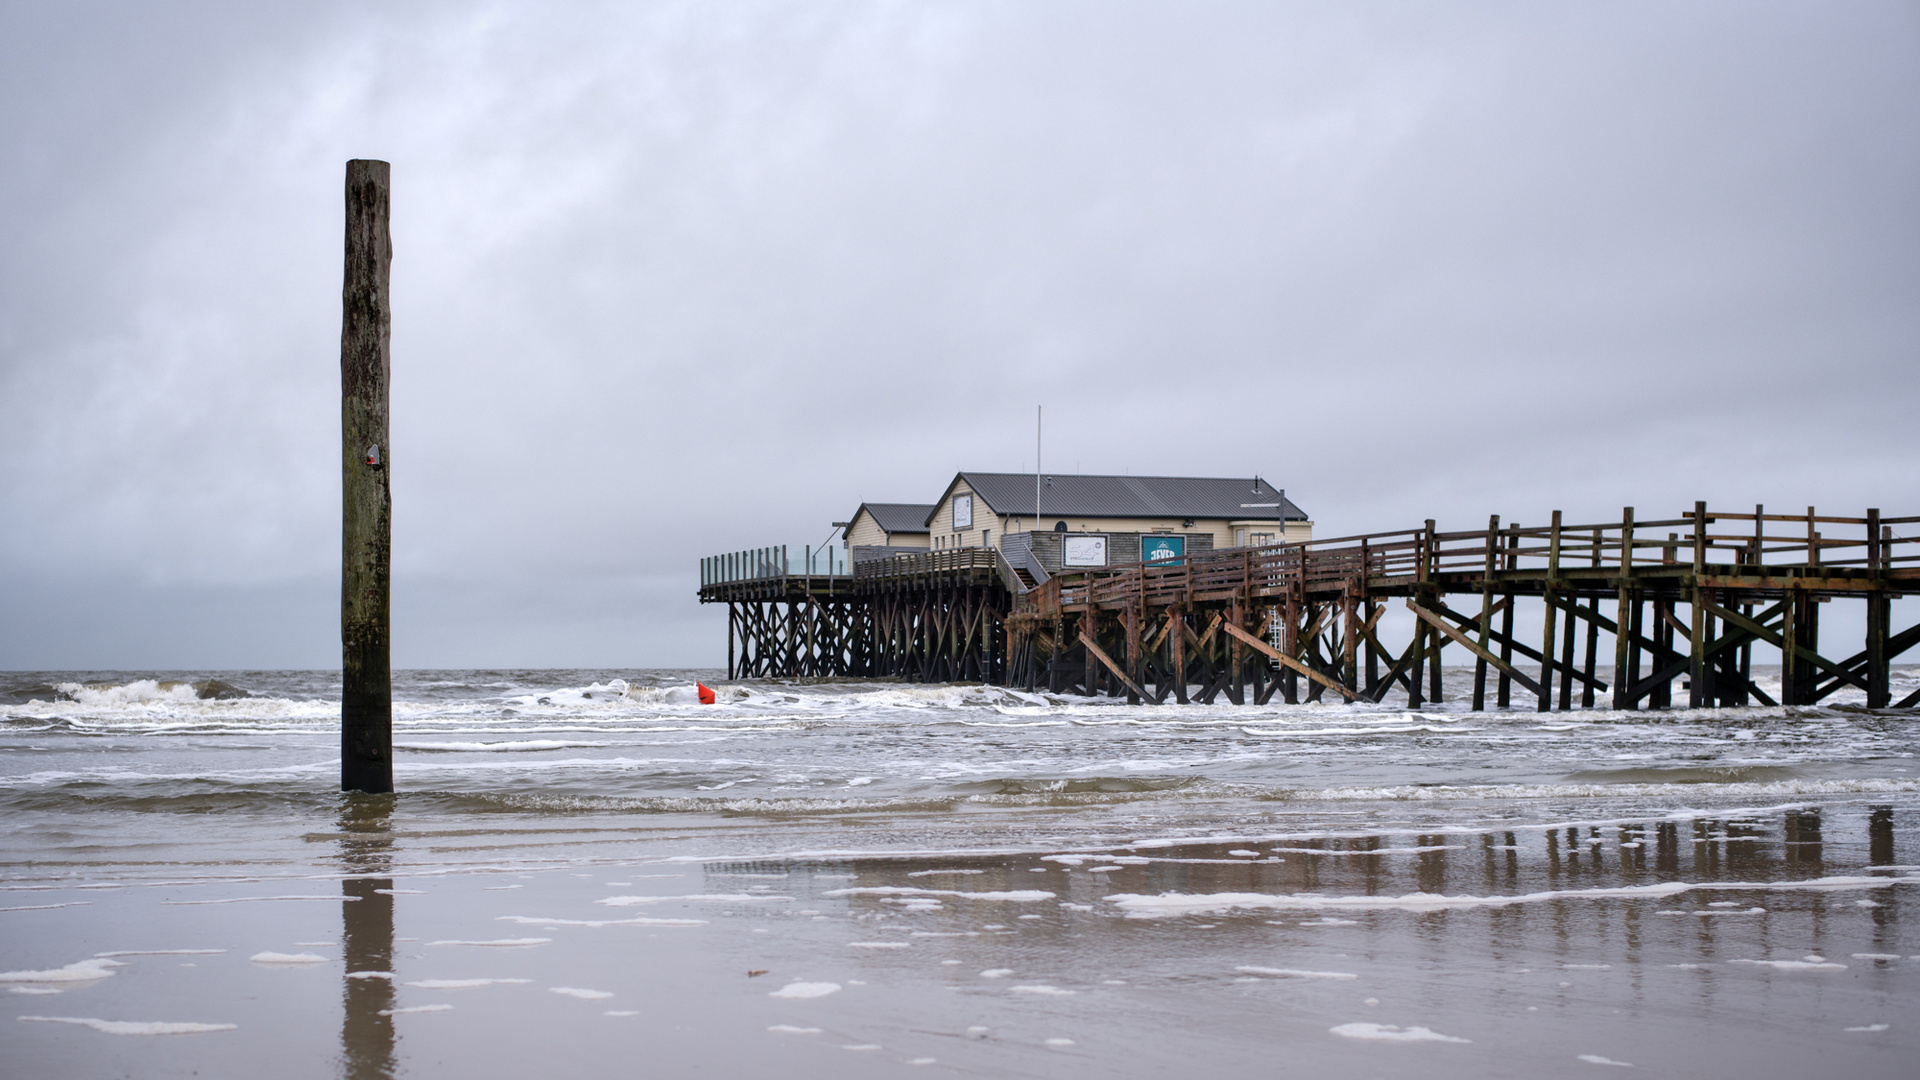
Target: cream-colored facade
point(987, 529)
point(864, 531)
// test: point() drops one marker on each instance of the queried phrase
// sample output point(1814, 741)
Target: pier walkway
point(1694, 593)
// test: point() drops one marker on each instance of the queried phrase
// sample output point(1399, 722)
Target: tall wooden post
point(366, 698)
point(1879, 619)
point(1486, 614)
point(1699, 688)
point(1133, 650)
point(1546, 594)
point(1237, 653)
point(1511, 559)
point(1177, 619)
point(1624, 621)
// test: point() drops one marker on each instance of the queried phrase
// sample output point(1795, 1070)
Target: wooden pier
point(1694, 594)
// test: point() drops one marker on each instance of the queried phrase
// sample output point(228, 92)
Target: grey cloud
point(677, 278)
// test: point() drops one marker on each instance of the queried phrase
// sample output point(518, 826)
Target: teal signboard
point(1155, 548)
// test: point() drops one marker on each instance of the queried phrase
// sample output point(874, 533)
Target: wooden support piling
point(366, 697)
point(1547, 592)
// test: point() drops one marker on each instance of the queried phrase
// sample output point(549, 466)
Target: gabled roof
point(1234, 498)
point(897, 517)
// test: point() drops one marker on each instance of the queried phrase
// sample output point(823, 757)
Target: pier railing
point(769, 563)
point(921, 564)
point(1699, 541)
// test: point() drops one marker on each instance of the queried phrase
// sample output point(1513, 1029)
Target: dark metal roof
point(898, 517)
point(1233, 498)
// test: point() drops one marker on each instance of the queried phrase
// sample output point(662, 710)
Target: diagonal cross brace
point(1101, 655)
point(1447, 628)
point(1771, 638)
point(1289, 661)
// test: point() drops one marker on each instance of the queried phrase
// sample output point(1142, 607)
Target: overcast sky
point(676, 278)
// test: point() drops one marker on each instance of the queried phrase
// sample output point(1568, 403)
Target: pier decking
point(1694, 594)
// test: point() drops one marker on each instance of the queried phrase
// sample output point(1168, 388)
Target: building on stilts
point(1161, 589)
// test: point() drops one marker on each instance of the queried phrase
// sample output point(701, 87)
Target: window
point(986, 537)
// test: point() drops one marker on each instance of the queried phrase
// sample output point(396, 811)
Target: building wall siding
point(864, 531)
point(1221, 532)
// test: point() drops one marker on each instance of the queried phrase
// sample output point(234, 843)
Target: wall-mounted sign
point(1083, 551)
point(962, 512)
point(1162, 547)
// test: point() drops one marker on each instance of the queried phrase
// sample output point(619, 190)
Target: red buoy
point(706, 693)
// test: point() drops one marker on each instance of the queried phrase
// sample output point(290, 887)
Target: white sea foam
point(805, 990)
point(161, 952)
point(640, 920)
point(1372, 851)
point(1046, 991)
point(416, 1009)
point(704, 898)
point(135, 1027)
point(1794, 965)
point(510, 747)
point(47, 907)
point(251, 899)
point(1867, 1027)
point(1294, 973)
point(996, 973)
point(789, 1029)
point(387, 975)
point(877, 945)
point(461, 984)
point(1018, 896)
point(942, 873)
point(577, 992)
point(1382, 729)
point(1172, 904)
point(1596, 1059)
point(90, 970)
point(1392, 1033)
point(286, 959)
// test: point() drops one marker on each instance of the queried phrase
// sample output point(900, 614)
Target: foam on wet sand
point(135, 1027)
point(1392, 1033)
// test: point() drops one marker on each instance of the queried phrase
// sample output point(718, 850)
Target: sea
point(591, 873)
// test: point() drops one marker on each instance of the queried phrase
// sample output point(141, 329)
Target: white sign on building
point(962, 512)
point(1083, 551)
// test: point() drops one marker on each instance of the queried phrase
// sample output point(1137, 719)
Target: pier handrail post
point(366, 694)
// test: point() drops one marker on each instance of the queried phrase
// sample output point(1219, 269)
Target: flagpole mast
point(1039, 413)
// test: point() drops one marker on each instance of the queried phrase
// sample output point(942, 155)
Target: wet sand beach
point(587, 872)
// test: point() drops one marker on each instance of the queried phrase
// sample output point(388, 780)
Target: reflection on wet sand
point(366, 1029)
point(1771, 850)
